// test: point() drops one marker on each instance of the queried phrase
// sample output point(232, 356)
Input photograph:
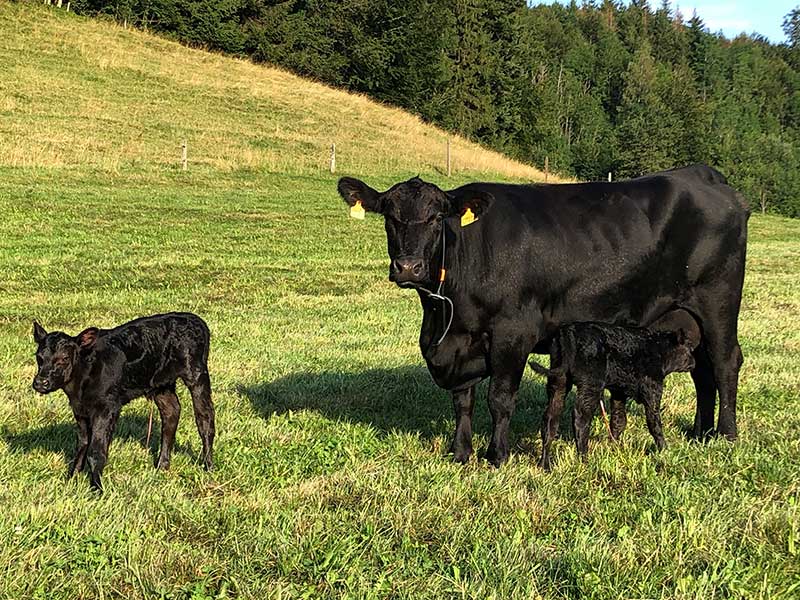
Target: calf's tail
point(542, 370)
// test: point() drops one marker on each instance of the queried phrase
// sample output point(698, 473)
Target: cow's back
point(618, 252)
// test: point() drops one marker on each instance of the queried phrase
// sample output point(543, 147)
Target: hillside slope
point(79, 92)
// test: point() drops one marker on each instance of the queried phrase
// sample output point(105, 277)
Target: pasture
point(331, 477)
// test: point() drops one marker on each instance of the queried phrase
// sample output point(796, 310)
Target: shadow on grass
point(61, 438)
point(403, 399)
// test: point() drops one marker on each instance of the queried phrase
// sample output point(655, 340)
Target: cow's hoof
point(496, 459)
point(703, 436)
point(163, 465)
point(545, 464)
point(461, 457)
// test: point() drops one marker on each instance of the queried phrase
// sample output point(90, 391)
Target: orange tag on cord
point(442, 273)
point(468, 217)
point(357, 211)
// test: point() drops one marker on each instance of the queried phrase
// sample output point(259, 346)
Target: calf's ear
point(354, 191)
point(476, 201)
point(87, 338)
point(38, 332)
point(680, 337)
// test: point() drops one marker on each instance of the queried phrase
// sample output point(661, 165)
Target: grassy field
point(331, 477)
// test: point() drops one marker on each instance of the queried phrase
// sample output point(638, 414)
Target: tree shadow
point(60, 438)
point(403, 399)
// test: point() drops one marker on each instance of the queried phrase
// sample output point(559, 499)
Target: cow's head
point(413, 213)
point(57, 355)
point(678, 356)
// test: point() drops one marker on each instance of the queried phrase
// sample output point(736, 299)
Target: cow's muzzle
point(408, 269)
point(42, 385)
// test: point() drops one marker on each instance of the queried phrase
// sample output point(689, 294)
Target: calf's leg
point(103, 425)
point(586, 401)
point(170, 410)
point(619, 413)
point(83, 444)
point(463, 404)
point(650, 397)
point(200, 389)
point(558, 386)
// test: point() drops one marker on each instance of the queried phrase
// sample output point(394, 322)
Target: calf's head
point(57, 356)
point(678, 355)
point(413, 213)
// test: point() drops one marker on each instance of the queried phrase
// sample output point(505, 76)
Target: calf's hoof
point(545, 463)
point(162, 464)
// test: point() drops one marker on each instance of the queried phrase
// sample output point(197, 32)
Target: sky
point(736, 16)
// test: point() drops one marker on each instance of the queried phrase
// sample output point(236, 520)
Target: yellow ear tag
point(357, 211)
point(468, 217)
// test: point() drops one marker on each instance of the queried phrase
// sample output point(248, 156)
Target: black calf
point(628, 361)
point(101, 370)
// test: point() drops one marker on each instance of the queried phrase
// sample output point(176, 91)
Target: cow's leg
point(103, 425)
point(82, 445)
point(619, 413)
point(558, 386)
point(650, 397)
point(463, 405)
point(587, 400)
point(726, 359)
point(170, 410)
point(706, 388)
point(508, 364)
point(727, 362)
point(200, 389)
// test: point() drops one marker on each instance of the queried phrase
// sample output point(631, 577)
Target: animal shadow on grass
point(62, 437)
point(403, 399)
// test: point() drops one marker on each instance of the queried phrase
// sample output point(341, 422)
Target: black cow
point(101, 370)
point(632, 361)
point(540, 256)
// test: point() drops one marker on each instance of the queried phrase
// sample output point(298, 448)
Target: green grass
point(331, 478)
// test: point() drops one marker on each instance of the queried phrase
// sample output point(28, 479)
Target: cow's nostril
point(417, 269)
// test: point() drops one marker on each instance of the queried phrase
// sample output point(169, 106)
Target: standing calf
point(101, 370)
point(629, 361)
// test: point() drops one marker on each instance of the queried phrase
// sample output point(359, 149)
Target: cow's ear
point(354, 191)
point(680, 337)
point(38, 333)
point(87, 338)
point(476, 201)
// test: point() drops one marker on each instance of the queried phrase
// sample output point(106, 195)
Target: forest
point(590, 89)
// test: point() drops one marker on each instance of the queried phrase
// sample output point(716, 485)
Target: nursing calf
point(101, 370)
point(630, 361)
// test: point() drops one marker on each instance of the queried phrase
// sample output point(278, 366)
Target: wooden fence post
point(609, 176)
point(184, 156)
point(59, 4)
point(333, 157)
point(448, 156)
point(546, 168)
point(67, 6)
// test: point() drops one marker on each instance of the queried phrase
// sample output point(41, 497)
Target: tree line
point(596, 87)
